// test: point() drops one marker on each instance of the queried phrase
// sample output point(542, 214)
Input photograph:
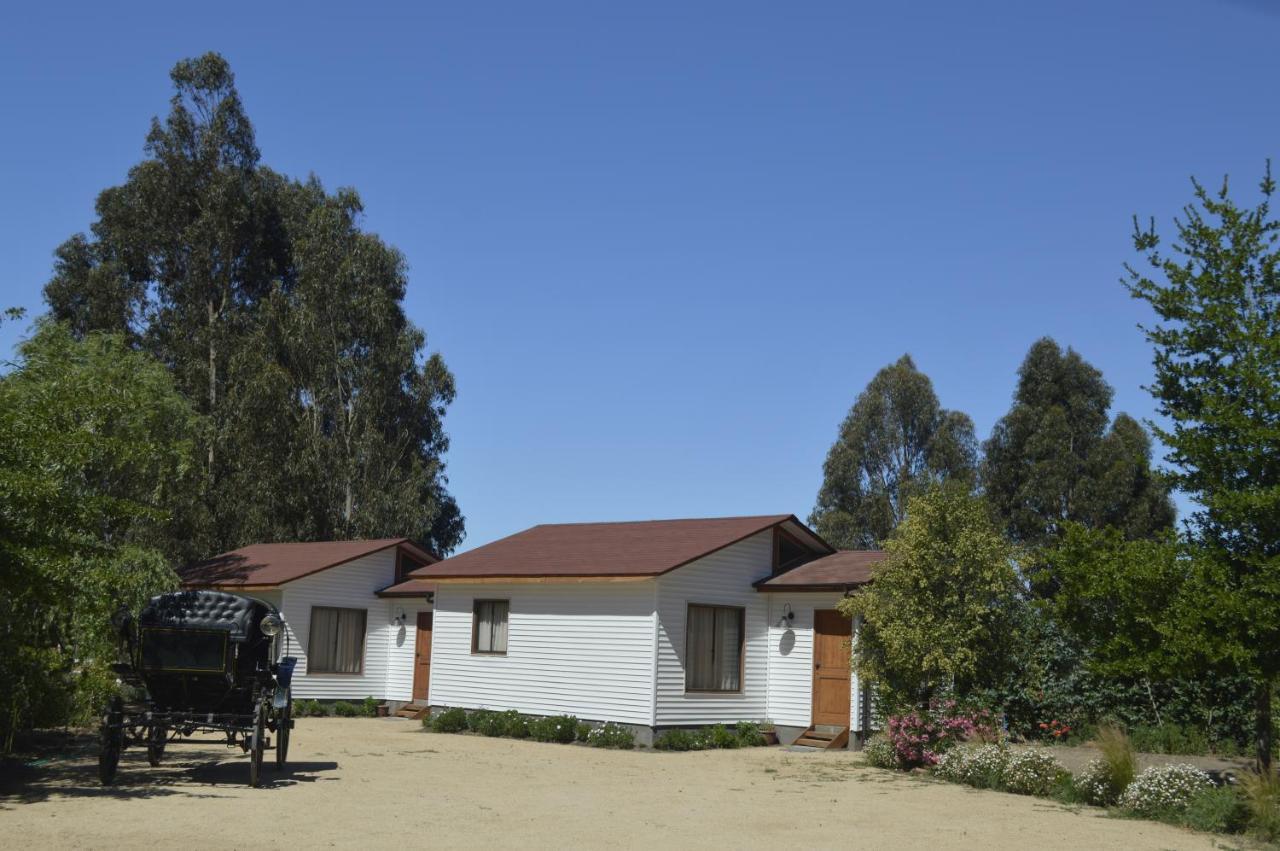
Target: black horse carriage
point(200, 661)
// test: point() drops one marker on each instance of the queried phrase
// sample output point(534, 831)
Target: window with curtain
point(713, 649)
point(489, 626)
point(336, 643)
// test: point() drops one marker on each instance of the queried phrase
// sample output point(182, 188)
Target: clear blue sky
point(664, 245)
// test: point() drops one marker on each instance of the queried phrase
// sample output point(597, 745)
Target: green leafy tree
point(896, 441)
point(942, 607)
point(1054, 458)
point(1216, 294)
point(96, 447)
point(281, 322)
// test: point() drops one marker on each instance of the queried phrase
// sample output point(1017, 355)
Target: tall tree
point(96, 449)
point(282, 323)
point(1054, 459)
point(1217, 361)
point(942, 608)
point(896, 441)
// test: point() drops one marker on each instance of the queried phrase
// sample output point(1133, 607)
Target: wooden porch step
point(824, 737)
point(413, 711)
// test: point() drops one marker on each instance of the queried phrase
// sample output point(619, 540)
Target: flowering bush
point(982, 766)
point(921, 737)
point(1055, 729)
point(1032, 771)
point(1093, 784)
point(1164, 788)
point(879, 752)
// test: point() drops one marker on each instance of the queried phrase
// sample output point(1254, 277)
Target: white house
point(353, 638)
point(654, 624)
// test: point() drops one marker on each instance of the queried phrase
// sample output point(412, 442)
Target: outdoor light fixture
point(399, 619)
point(787, 615)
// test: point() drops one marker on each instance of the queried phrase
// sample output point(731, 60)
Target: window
point(713, 649)
point(405, 564)
point(489, 626)
point(788, 552)
point(336, 643)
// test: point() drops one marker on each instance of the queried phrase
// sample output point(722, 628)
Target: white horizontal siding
point(722, 578)
point(582, 649)
point(352, 586)
point(791, 658)
point(401, 644)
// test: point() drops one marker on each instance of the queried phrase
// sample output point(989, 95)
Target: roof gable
point(259, 565)
point(626, 550)
point(837, 571)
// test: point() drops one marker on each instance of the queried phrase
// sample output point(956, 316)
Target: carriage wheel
point(110, 741)
point(282, 732)
point(156, 740)
point(258, 744)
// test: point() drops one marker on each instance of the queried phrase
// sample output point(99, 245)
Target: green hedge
point(744, 734)
point(510, 724)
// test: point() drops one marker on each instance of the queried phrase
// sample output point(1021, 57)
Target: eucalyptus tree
point(1057, 457)
point(896, 441)
point(281, 321)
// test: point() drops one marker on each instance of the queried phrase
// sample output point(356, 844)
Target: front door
point(422, 658)
point(831, 635)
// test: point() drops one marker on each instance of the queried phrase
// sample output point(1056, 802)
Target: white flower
point(1164, 788)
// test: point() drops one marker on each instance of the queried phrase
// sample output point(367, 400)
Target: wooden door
point(422, 658)
point(831, 634)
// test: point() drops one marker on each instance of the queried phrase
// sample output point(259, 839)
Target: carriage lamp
point(399, 619)
point(271, 625)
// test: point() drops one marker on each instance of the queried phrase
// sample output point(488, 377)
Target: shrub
point(921, 737)
point(556, 728)
point(1164, 789)
point(486, 722)
point(309, 709)
point(982, 766)
point(343, 709)
point(879, 752)
point(513, 725)
point(452, 720)
point(1031, 771)
point(1104, 780)
point(1169, 739)
point(679, 740)
point(1262, 795)
point(749, 735)
point(1221, 809)
point(720, 736)
point(583, 731)
point(611, 735)
point(369, 707)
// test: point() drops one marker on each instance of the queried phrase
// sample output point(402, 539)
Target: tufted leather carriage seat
point(238, 615)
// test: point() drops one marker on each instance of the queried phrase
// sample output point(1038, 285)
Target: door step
point(413, 711)
point(824, 736)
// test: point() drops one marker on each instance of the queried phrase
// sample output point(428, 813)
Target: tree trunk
point(1262, 719)
point(213, 379)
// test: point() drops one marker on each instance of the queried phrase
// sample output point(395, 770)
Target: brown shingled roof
point(268, 565)
point(409, 588)
point(835, 572)
point(630, 550)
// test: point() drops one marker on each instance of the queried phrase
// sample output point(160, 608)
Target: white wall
point(722, 578)
point(388, 654)
point(791, 658)
point(401, 645)
point(578, 649)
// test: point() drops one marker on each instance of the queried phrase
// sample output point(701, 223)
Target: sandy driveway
point(384, 783)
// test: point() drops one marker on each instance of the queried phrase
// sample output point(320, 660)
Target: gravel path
point(385, 782)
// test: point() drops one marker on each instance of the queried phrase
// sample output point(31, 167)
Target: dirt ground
point(385, 782)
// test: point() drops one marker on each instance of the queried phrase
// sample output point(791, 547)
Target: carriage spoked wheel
point(283, 720)
point(157, 737)
point(258, 744)
point(110, 741)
